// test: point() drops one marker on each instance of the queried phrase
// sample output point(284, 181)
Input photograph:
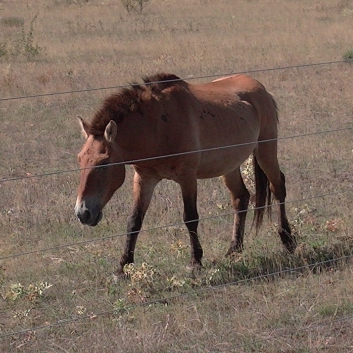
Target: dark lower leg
point(143, 191)
point(133, 228)
point(284, 231)
point(128, 255)
point(240, 197)
point(196, 249)
point(191, 218)
point(240, 205)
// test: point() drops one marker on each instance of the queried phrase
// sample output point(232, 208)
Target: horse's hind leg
point(266, 156)
point(240, 200)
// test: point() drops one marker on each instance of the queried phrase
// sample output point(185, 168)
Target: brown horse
point(169, 129)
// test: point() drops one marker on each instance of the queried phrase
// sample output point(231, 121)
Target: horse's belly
point(223, 161)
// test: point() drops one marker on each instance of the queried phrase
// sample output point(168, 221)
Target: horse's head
point(99, 178)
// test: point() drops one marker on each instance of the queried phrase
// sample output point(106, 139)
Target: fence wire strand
point(312, 326)
point(66, 321)
point(134, 161)
point(179, 296)
point(191, 77)
point(89, 241)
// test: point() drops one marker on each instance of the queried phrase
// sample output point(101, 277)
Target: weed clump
point(31, 293)
point(134, 5)
point(22, 46)
point(12, 21)
point(348, 56)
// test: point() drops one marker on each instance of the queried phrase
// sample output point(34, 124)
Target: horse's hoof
point(289, 241)
point(290, 244)
point(118, 276)
point(290, 247)
point(193, 270)
point(234, 251)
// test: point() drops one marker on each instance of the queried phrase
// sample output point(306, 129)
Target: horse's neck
point(137, 139)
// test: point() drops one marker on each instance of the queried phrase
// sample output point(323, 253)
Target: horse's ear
point(110, 131)
point(84, 128)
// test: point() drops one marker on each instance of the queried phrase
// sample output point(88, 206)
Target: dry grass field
point(56, 292)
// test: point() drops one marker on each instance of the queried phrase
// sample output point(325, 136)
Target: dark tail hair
point(263, 195)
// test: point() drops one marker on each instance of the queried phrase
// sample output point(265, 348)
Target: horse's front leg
point(143, 188)
point(191, 218)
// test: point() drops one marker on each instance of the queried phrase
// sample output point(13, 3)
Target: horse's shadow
point(308, 259)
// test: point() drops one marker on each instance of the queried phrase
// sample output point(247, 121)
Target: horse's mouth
point(86, 218)
point(96, 220)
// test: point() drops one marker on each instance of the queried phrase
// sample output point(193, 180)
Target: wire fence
point(268, 339)
point(134, 161)
point(191, 77)
point(168, 299)
point(202, 290)
point(89, 241)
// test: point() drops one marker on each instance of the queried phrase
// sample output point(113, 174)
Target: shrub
point(3, 49)
point(134, 5)
point(25, 44)
point(31, 293)
point(348, 56)
point(12, 21)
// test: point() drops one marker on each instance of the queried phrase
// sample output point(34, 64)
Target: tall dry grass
point(90, 44)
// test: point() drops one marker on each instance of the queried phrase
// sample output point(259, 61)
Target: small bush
point(142, 283)
point(25, 44)
point(3, 49)
point(12, 21)
point(31, 293)
point(134, 5)
point(348, 56)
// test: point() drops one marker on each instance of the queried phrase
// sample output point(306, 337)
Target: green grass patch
point(333, 310)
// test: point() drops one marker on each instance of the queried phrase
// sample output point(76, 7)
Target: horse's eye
point(103, 167)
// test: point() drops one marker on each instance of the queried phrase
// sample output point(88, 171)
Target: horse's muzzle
point(88, 217)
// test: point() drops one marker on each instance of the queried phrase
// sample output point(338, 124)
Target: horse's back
point(221, 119)
point(234, 106)
point(237, 83)
point(217, 119)
point(248, 89)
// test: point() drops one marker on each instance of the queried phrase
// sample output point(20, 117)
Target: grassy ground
point(63, 271)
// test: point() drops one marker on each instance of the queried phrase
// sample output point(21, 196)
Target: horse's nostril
point(84, 216)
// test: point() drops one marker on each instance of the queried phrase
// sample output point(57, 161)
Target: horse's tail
point(262, 196)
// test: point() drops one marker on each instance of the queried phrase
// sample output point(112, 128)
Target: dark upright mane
point(129, 100)
point(159, 82)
